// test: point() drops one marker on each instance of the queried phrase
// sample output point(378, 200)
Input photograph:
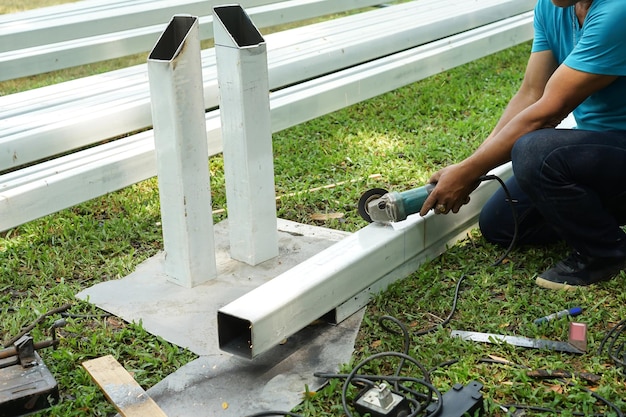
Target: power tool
point(380, 206)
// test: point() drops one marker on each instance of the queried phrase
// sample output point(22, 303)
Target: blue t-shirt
point(599, 47)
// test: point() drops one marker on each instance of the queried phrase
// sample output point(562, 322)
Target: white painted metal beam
point(53, 120)
point(312, 99)
point(95, 17)
point(175, 76)
point(115, 165)
point(241, 56)
point(362, 263)
point(37, 59)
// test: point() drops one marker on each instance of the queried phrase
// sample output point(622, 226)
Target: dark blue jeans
point(568, 185)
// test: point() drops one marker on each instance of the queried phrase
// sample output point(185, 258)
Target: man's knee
point(491, 230)
point(495, 220)
point(527, 158)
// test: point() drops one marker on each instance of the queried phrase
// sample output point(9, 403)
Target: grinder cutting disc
point(365, 199)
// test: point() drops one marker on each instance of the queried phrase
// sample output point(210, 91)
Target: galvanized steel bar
point(242, 75)
point(25, 196)
point(175, 78)
point(21, 62)
point(312, 99)
point(259, 320)
point(70, 21)
point(80, 117)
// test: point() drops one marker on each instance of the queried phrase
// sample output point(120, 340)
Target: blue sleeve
point(602, 47)
point(540, 40)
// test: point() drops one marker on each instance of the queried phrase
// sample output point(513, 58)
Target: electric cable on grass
point(598, 397)
point(615, 339)
point(38, 320)
point(396, 379)
point(445, 322)
point(433, 395)
point(615, 344)
point(418, 400)
point(418, 406)
point(614, 349)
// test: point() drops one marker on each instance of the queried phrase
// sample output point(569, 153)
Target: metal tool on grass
point(517, 341)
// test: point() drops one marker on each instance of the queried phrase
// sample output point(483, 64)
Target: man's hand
point(454, 185)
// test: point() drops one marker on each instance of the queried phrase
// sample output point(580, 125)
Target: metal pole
point(175, 76)
point(242, 75)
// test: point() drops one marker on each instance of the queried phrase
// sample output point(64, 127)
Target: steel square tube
point(28, 194)
point(260, 319)
point(175, 75)
point(72, 52)
point(241, 55)
point(316, 50)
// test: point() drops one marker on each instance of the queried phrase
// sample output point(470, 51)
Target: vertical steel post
point(175, 78)
point(242, 74)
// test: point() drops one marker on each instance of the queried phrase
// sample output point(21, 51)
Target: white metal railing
point(89, 31)
point(33, 192)
point(53, 120)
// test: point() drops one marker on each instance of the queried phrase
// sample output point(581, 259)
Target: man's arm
point(541, 65)
point(546, 97)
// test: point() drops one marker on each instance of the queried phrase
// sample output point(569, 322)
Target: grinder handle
point(414, 199)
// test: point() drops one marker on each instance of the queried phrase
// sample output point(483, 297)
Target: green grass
point(13, 6)
point(404, 136)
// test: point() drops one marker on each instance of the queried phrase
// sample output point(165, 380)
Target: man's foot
point(577, 270)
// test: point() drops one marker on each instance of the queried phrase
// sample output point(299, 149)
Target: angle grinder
point(380, 206)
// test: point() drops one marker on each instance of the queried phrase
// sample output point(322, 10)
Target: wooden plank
point(121, 389)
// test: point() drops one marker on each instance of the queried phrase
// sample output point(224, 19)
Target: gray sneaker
point(578, 270)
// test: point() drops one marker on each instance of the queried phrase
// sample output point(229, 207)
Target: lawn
point(13, 6)
point(403, 136)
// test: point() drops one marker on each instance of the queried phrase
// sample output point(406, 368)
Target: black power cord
point(615, 344)
point(606, 402)
point(445, 322)
point(38, 320)
point(420, 400)
point(511, 202)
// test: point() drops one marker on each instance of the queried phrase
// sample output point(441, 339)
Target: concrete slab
point(230, 386)
point(218, 383)
point(187, 317)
